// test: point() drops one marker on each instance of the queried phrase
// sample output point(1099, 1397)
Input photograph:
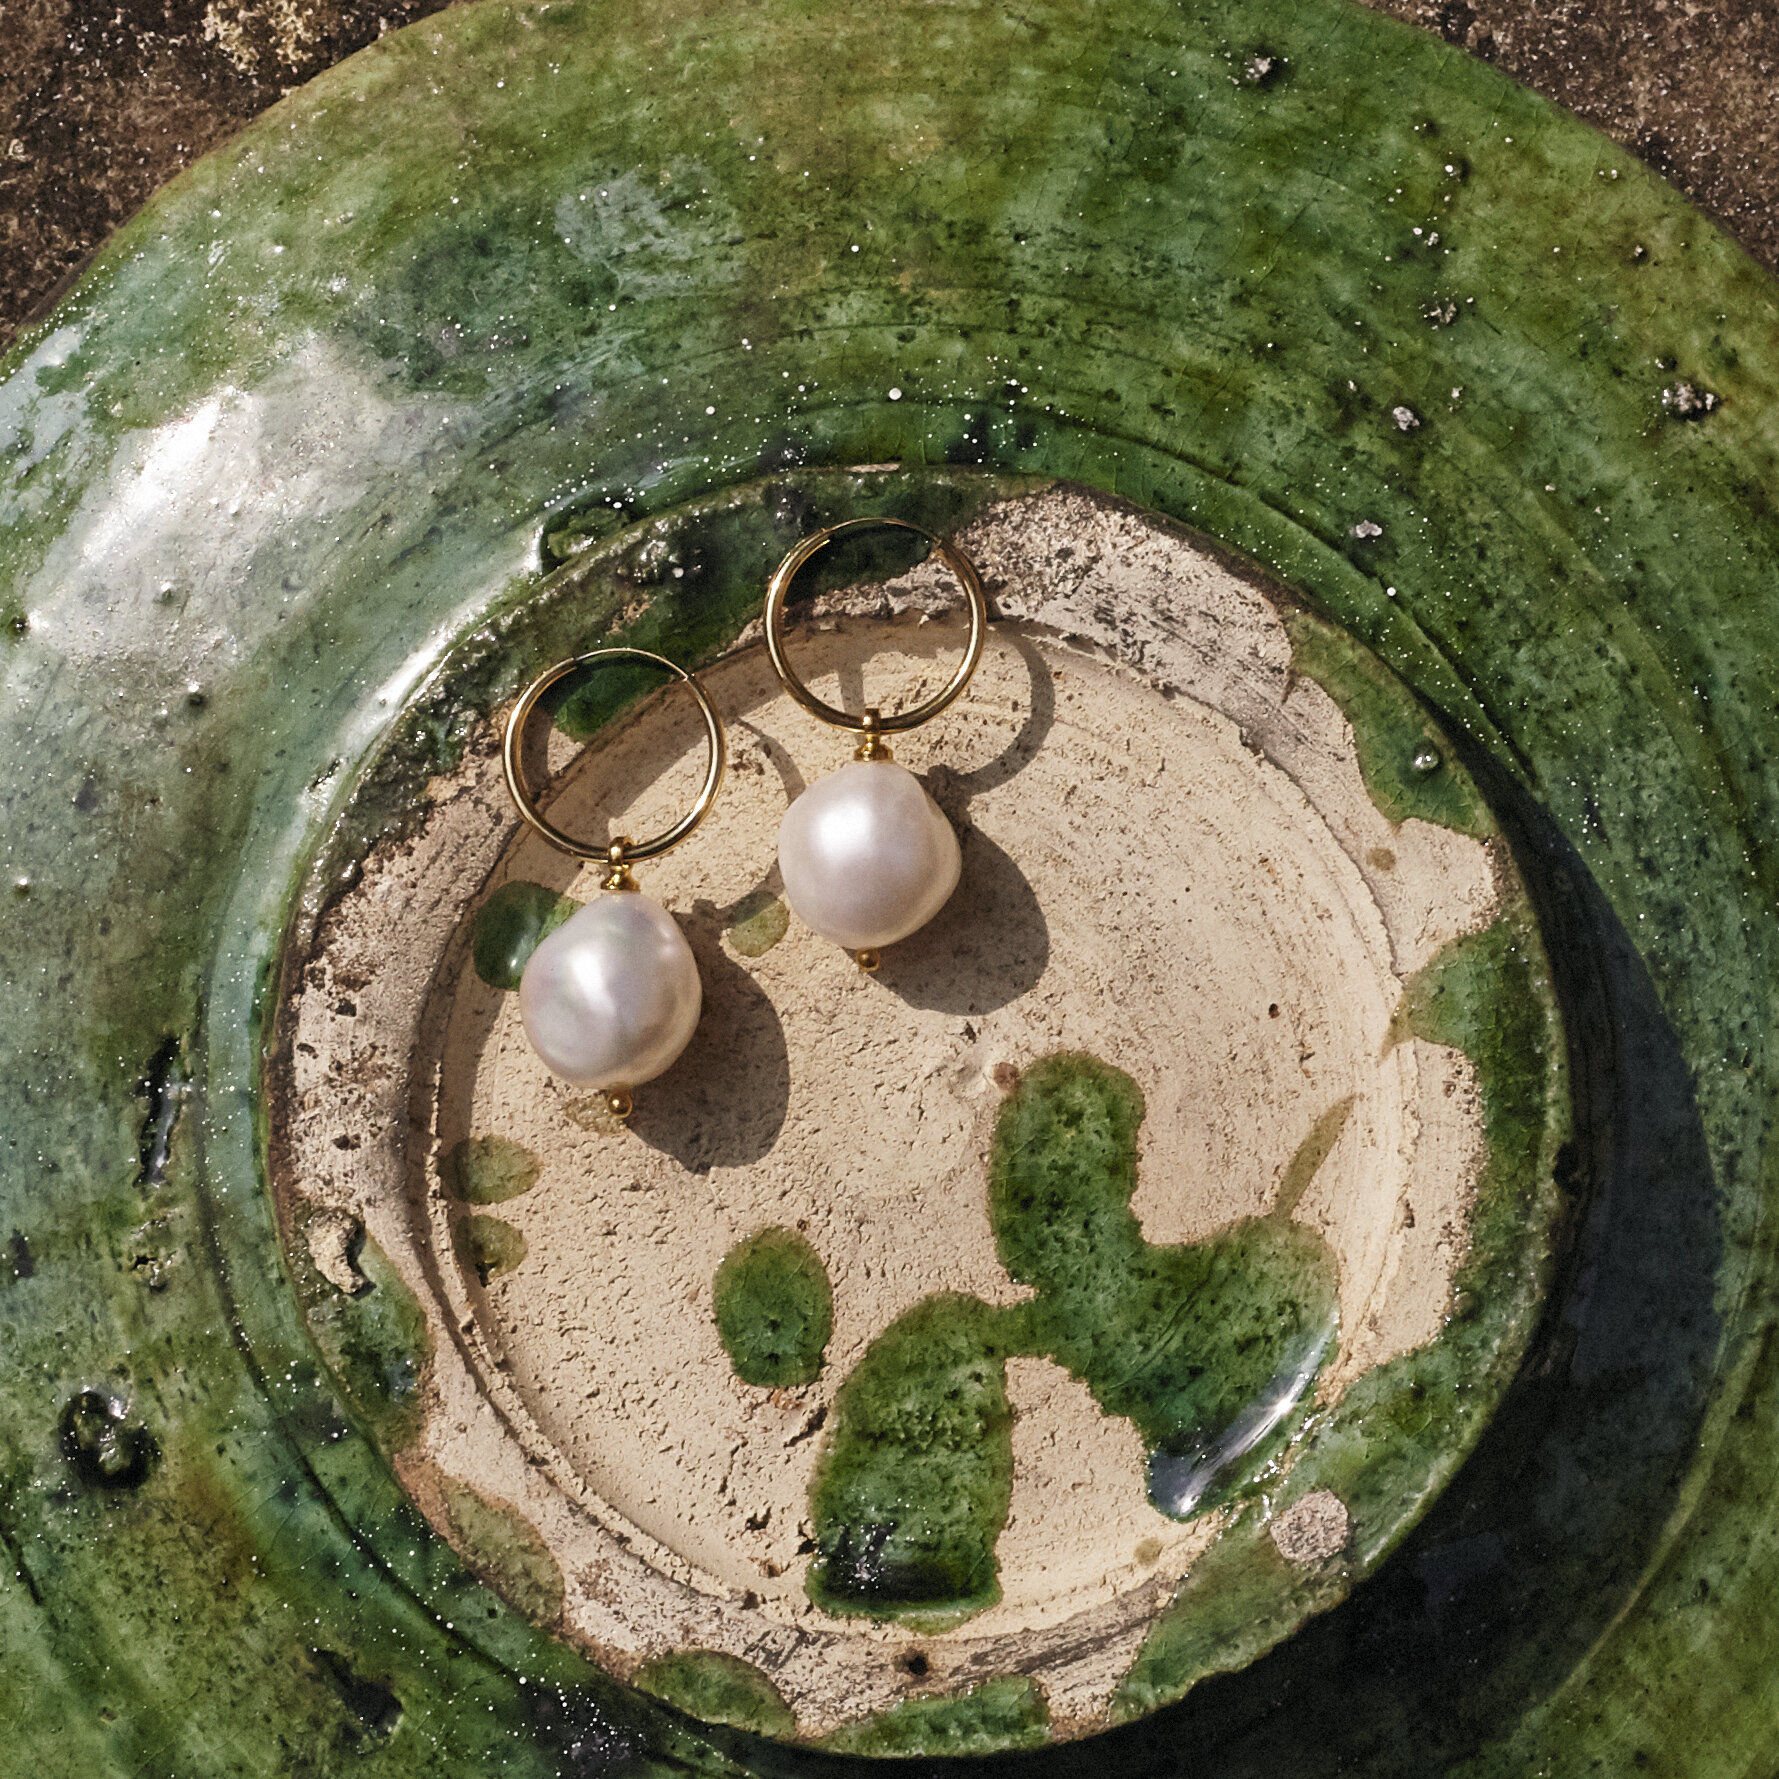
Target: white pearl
point(867, 856)
point(612, 997)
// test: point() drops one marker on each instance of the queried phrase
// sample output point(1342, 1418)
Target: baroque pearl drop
point(612, 997)
point(867, 856)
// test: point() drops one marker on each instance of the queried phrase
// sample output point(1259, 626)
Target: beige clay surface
point(1170, 860)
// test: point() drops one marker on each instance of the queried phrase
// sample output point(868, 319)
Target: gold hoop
point(873, 723)
point(623, 852)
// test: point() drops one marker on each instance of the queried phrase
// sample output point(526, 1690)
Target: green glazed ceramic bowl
point(1441, 361)
point(980, 1354)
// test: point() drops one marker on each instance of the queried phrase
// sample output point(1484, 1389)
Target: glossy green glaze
point(487, 1246)
point(487, 1170)
point(1209, 1349)
point(918, 1472)
point(1182, 1342)
point(1401, 753)
point(1403, 1427)
point(718, 1688)
point(314, 413)
point(999, 1714)
point(774, 1309)
point(761, 920)
point(915, 1480)
point(375, 1343)
point(502, 1546)
point(510, 926)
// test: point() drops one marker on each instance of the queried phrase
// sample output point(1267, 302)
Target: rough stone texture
point(1311, 1530)
point(99, 104)
point(1172, 862)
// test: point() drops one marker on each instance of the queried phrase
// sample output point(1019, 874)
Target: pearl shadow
point(723, 1103)
point(990, 943)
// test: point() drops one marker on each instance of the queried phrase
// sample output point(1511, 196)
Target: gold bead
point(617, 867)
point(871, 743)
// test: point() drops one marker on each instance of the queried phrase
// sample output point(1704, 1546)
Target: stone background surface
point(102, 102)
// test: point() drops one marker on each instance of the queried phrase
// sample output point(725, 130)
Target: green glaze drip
point(717, 1688)
point(1182, 1341)
point(1405, 1426)
point(913, 1489)
point(488, 1247)
point(504, 1548)
point(511, 925)
point(487, 1170)
point(1405, 761)
point(1008, 1712)
point(774, 1309)
point(1194, 1345)
point(377, 1345)
point(1311, 1153)
point(757, 923)
point(1488, 994)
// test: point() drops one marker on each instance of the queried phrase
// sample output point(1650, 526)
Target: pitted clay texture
point(1170, 861)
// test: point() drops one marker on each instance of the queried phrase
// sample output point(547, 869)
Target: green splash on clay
point(717, 1688)
point(1178, 1340)
point(511, 925)
point(487, 1170)
point(1488, 994)
point(757, 923)
point(774, 1309)
point(913, 1488)
point(377, 1345)
point(1206, 1348)
point(1405, 761)
point(505, 1550)
point(1009, 1711)
point(488, 1247)
point(1403, 1428)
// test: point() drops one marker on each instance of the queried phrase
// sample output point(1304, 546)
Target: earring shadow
point(990, 943)
point(1040, 718)
point(771, 880)
point(724, 1102)
point(987, 946)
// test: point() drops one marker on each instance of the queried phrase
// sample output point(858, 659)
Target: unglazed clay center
point(867, 856)
point(1221, 891)
point(1240, 949)
point(611, 998)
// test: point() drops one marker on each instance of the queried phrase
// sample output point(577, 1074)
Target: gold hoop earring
point(611, 998)
point(866, 855)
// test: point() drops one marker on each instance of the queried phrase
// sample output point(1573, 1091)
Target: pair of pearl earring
point(611, 998)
